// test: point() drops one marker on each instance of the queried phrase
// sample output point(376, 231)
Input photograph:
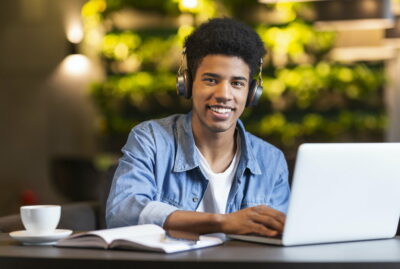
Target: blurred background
point(77, 75)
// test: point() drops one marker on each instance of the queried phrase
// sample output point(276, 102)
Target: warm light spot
point(190, 4)
point(76, 64)
point(75, 33)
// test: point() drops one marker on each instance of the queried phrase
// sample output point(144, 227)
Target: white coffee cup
point(40, 219)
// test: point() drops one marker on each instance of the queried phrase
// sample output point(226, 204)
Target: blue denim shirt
point(159, 173)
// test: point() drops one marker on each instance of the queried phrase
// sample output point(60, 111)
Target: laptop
point(341, 192)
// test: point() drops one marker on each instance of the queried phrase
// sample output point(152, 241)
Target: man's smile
point(220, 109)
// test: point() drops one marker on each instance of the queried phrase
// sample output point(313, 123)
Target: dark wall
point(43, 112)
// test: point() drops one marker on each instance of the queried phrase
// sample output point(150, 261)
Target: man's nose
point(223, 92)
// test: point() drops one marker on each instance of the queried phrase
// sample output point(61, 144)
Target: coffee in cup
point(40, 219)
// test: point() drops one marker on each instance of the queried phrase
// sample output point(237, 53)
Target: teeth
point(221, 110)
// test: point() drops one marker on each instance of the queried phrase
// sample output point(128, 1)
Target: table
point(233, 254)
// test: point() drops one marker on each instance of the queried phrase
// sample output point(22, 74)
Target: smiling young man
point(202, 172)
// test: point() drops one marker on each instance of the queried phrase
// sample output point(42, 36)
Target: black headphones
point(184, 84)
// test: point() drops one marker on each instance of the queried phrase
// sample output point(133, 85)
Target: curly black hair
point(227, 37)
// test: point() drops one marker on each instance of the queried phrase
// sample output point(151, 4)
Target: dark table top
point(233, 254)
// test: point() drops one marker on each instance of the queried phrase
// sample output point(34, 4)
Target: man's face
point(219, 92)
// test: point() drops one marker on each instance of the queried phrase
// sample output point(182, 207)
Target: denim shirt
point(159, 173)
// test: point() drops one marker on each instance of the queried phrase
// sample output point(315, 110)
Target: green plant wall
point(307, 97)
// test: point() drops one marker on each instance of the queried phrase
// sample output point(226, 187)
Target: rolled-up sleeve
point(132, 198)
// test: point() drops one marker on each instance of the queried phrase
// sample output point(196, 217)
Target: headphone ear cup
point(255, 91)
point(188, 84)
point(183, 85)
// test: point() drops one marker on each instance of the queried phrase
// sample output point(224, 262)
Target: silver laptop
point(341, 192)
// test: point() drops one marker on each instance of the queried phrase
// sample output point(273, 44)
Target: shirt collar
point(186, 157)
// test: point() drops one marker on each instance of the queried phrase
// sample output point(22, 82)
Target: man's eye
point(210, 80)
point(238, 84)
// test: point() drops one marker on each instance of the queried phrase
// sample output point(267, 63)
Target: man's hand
point(261, 220)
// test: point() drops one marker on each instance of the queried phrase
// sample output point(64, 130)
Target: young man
point(202, 172)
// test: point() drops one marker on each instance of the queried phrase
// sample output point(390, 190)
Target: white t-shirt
point(219, 185)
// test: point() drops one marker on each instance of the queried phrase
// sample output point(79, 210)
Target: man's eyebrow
point(213, 75)
point(240, 78)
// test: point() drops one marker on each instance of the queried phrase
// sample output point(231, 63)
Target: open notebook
point(146, 237)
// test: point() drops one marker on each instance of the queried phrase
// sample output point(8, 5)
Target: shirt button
point(195, 199)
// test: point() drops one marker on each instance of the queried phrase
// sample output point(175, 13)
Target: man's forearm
point(197, 222)
point(261, 220)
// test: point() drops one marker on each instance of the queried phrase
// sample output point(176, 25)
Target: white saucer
point(44, 239)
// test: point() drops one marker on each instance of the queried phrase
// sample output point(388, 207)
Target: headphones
point(184, 84)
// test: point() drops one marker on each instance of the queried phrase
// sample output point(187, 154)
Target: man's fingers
point(268, 221)
point(267, 211)
point(262, 230)
point(259, 219)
